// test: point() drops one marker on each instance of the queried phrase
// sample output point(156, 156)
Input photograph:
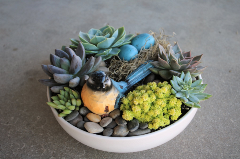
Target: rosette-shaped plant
point(66, 101)
point(69, 68)
point(190, 93)
point(104, 42)
point(172, 62)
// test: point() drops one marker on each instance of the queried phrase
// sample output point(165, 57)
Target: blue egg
point(140, 40)
point(127, 52)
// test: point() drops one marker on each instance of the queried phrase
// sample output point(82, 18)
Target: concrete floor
point(31, 30)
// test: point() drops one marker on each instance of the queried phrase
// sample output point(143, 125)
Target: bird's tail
point(137, 75)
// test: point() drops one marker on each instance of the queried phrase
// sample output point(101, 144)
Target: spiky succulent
point(66, 101)
point(172, 62)
point(103, 42)
point(69, 68)
point(190, 93)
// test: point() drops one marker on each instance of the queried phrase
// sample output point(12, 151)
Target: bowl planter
point(126, 144)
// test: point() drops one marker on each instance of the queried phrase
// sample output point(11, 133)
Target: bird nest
point(120, 69)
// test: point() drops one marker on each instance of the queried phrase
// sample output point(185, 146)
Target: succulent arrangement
point(172, 62)
point(128, 108)
point(104, 42)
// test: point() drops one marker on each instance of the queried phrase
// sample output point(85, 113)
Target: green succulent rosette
point(104, 42)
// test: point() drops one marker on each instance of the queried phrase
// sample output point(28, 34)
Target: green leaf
point(57, 102)
point(185, 100)
point(180, 94)
point(74, 41)
point(55, 98)
point(175, 85)
point(193, 98)
point(201, 87)
point(51, 104)
point(121, 33)
point(154, 70)
point(176, 48)
point(106, 43)
point(73, 46)
point(196, 83)
point(128, 38)
point(190, 104)
point(165, 74)
point(179, 81)
point(92, 31)
point(119, 42)
point(196, 105)
point(97, 39)
point(173, 91)
point(174, 64)
point(103, 28)
point(91, 52)
point(187, 77)
point(90, 47)
point(202, 96)
point(84, 37)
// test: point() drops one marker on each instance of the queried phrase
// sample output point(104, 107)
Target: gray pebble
point(84, 111)
point(149, 78)
point(143, 125)
point(120, 131)
point(157, 81)
point(120, 121)
point(72, 115)
point(76, 120)
point(107, 132)
point(139, 132)
point(105, 121)
point(111, 125)
point(133, 125)
point(86, 119)
point(93, 128)
point(80, 125)
point(115, 113)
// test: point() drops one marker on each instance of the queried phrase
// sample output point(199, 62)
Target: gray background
point(31, 30)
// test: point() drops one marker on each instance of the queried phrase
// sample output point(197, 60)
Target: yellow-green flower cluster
point(152, 103)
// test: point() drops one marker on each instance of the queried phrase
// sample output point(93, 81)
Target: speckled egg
point(127, 52)
point(140, 40)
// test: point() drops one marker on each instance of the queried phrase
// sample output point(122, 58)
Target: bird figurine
point(101, 94)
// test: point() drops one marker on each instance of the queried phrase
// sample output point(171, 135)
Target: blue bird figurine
point(101, 94)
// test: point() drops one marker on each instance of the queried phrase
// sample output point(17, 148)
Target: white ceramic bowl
point(126, 144)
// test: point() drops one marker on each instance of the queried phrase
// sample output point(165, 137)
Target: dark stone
point(112, 125)
point(107, 132)
point(105, 121)
point(84, 111)
point(120, 121)
point(86, 119)
point(120, 131)
point(143, 125)
point(72, 115)
point(80, 125)
point(133, 125)
point(149, 78)
point(76, 120)
point(139, 132)
point(115, 113)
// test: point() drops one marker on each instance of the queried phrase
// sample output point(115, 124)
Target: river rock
point(133, 125)
point(93, 117)
point(149, 78)
point(72, 115)
point(143, 125)
point(120, 121)
point(105, 121)
point(93, 127)
point(80, 125)
point(139, 132)
point(120, 131)
point(107, 132)
point(115, 113)
point(112, 124)
point(86, 119)
point(84, 111)
point(76, 120)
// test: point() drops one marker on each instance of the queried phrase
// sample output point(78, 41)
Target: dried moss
point(120, 69)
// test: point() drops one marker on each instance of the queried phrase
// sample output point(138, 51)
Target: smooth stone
point(93, 127)
point(120, 131)
point(72, 115)
point(93, 117)
point(133, 125)
point(86, 119)
point(84, 111)
point(112, 125)
point(105, 121)
point(115, 113)
point(139, 132)
point(157, 81)
point(76, 120)
point(143, 125)
point(120, 121)
point(80, 125)
point(149, 78)
point(107, 132)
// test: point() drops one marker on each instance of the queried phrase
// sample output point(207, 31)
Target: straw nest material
point(120, 69)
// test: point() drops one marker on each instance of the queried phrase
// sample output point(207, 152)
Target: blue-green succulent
point(190, 93)
point(104, 42)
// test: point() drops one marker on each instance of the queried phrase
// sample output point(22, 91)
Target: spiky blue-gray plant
point(104, 42)
point(190, 93)
point(69, 68)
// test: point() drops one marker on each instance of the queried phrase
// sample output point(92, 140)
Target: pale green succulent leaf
point(92, 31)
point(202, 96)
point(196, 105)
point(193, 98)
point(73, 46)
point(84, 37)
point(124, 43)
point(185, 100)
point(180, 94)
point(65, 64)
point(187, 77)
point(179, 81)
point(89, 46)
point(57, 102)
point(174, 65)
point(175, 73)
point(182, 75)
point(114, 51)
point(97, 39)
point(121, 33)
point(106, 43)
point(196, 83)
point(119, 42)
point(129, 37)
point(74, 41)
point(91, 52)
point(103, 28)
point(175, 85)
point(201, 87)
point(55, 98)
point(90, 36)
point(115, 34)
point(103, 52)
point(188, 103)
point(164, 63)
point(107, 35)
point(165, 74)
point(173, 91)
point(108, 30)
point(176, 48)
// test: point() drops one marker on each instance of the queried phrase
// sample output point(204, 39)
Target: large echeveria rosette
point(104, 42)
point(69, 68)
